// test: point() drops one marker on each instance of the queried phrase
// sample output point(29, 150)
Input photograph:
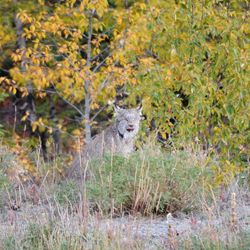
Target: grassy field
point(151, 200)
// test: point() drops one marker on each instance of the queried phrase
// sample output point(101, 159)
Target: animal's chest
point(110, 142)
point(122, 146)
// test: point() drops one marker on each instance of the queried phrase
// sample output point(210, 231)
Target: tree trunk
point(21, 43)
point(56, 131)
point(88, 83)
point(87, 119)
point(30, 107)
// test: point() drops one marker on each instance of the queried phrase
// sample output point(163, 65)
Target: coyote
point(118, 138)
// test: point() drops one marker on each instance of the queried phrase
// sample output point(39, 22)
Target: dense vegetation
point(106, 213)
point(63, 62)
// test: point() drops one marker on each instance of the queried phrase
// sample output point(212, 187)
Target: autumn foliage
point(186, 61)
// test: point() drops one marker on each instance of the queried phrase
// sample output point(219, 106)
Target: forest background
point(64, 63)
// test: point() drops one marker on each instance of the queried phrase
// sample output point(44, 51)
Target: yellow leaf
point(24, 118)
point(32, 28)
point(34, 126)
point(2, 79)
point(41, 129)
point(41, 2)
point(76, 132)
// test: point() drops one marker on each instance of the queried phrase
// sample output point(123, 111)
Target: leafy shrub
point(187, 60)
point(147, 183)
point(66, 193)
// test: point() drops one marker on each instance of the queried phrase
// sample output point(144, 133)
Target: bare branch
point(98, 112)
point(68, 102)
point(94, 58)
point(101, 63)
point(104, 83)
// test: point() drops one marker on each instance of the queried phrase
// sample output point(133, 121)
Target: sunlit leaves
point(197, 53)
point(187, 60)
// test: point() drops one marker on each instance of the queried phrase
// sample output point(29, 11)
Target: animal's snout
point(130, 127)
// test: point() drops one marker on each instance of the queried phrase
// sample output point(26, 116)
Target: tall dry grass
point(106, 212)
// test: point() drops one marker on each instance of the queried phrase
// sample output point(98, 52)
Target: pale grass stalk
point(154, 199)
point(158, 202)
point(233, 215)
point(172, 241)
point(136, 193)
point(100, 174)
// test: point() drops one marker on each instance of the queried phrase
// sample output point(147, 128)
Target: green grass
point(56, 236)
point(4, 186)
point(238, 241)
point(66, 193)
point(147, 183)
point(41, 237)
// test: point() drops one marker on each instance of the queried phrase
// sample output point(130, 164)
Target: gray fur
point(118, 138)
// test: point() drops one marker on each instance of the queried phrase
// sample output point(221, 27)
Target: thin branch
point(4, 70)
point(98, 112)
point(94, 58)
point(104, 83)
point(101, 63)
point(68, 102)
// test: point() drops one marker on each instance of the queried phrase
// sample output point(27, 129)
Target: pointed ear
point(139, 109)
point(117, 108)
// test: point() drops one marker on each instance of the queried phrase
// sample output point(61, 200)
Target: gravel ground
point(156, 231)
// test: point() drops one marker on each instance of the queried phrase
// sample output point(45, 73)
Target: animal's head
point(128, 121)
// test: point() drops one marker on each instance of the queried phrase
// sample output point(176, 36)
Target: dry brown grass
point(59, 215)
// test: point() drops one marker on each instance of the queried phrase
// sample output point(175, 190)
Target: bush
point(147, 183)
point(66, 193)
